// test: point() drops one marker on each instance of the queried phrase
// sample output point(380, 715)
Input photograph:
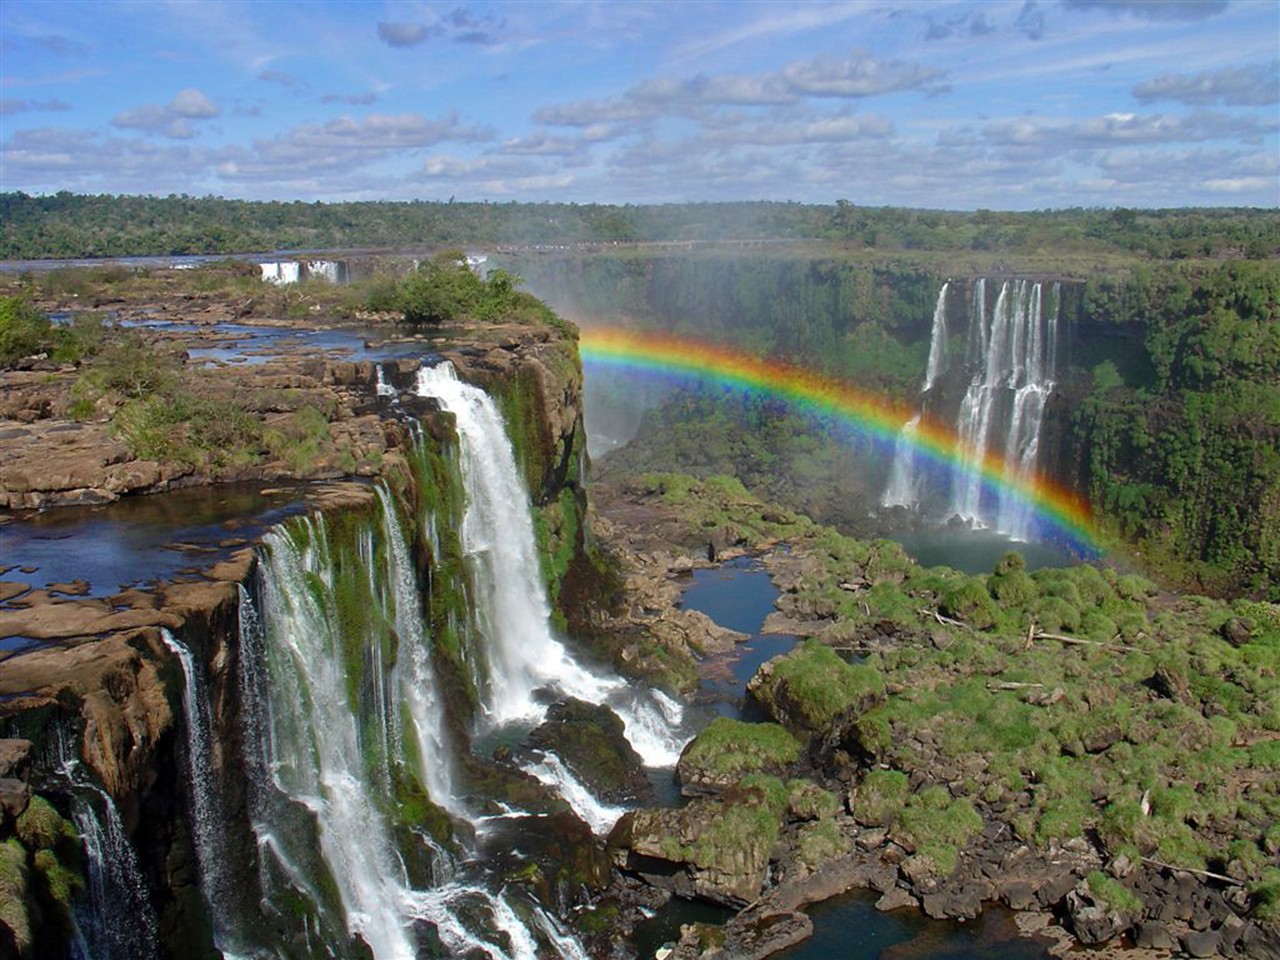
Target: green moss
point(40, 826)
point(808, 801)
point(732, 749)
point(969, 601)
point(1113, 893)
point(14, 894)
point(820, 686)
point(821, 841)
point(880, 797)
point(938, 825)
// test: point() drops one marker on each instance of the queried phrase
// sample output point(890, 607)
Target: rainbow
point(1059, 512)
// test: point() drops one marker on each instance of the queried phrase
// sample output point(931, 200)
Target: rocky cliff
point(91, 692)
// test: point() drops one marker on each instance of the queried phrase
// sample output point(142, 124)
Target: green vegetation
point(813, 688)
point(1078, 702)
point(69, 225)
point(730, 750)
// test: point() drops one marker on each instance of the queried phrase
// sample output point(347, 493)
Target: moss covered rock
point(811, 688)
point(714, 848)
point(591, 741)
point(728, 750)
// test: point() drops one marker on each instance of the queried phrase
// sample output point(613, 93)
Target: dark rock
point(1051, 892)
point(960, 904)
point(1154, 935)
point(1236, 632)
point(1201, 943)
point(1259, 941)
point(1093, 920)
point(591, 742)
point(1018, 894)
point(895, 899)
point(15, 758)
point(14, 797)
point(754, 936)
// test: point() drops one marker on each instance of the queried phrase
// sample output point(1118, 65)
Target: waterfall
point(550, 769)
point(332, 270)
point(937, 364)
point(1011, 354)
point(114, 917)
point(280, 272)
point(207, 821)
point(903, 489)
point(1002, 411)
point(512, 611)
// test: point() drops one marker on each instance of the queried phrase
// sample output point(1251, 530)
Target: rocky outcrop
point(714, 848)
point(589, 739)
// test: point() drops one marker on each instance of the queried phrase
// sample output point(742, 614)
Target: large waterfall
point(375, 647)
point(511, 603)
point(1011, 360)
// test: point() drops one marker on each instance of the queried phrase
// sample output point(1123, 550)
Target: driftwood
point(941, 619)
point(1079, 641)
point(1198, 873)
point(1010, 685)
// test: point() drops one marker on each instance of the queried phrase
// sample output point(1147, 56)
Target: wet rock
point(715, 848)
point(1092, 919)
point(591, 741)
point(895, 899)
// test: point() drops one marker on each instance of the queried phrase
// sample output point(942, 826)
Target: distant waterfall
point(903, 489)
point(1002, 410)
point(280, 272)
point(1011, 353)
point(512, 611)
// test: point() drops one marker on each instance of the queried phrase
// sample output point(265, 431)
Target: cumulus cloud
point(342, 146)
point(780, 131)
point(172, 120)
point(459, 25)
point(976, 24)
point(10, 105)
point(286, 80)
point(1252, 86)
point(1031, 20)
point(354, 99)
point(1154, 9)
point(858, 76)
point(402, 34)
point(88, 162)
point(463, 26)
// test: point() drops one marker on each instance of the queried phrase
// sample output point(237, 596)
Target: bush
point(24, 330)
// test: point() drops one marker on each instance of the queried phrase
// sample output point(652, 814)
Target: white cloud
point(171, 120)
point(1251, 86)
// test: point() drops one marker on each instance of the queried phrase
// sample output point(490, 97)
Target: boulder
point(728, 750)
point(591, 741)
point(714, 848)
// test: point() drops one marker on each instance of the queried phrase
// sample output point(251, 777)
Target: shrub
point(969, 601)
point(24, 330)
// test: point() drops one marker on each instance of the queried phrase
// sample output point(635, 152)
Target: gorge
point(352, 733)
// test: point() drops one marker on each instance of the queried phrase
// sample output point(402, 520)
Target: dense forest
point(67, 225)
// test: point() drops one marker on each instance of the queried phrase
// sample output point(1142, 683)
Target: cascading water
point(114, 918)
point(1012, 354)
point(1003, 407)
point(280, 272)
point(903, 489)
point(512, 611)
point(207, 821)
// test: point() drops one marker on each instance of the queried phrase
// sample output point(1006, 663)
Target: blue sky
point(1026, 104)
